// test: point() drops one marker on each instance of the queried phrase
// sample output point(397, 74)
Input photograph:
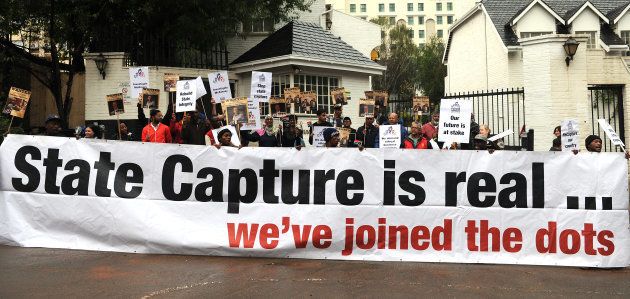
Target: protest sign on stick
point(339, 96)
point(235, 136)
point(138, 79)
point(366, 108)
point(150, 98)
point(235, 110)
point(454, 126)
point(570, 131)
point(318, 136)
point(610, 132)
point(261, 86)
point(389, 136)
point(220, 86)
point(186, 96)
point(170, 81)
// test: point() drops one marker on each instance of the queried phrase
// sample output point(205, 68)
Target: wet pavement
point(59, 273)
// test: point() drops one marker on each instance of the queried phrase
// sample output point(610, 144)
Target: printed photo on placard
point(366, 108)
point(170, 81)
point(308, 99)
point(17, 102)
point(369, 95)
point(344, 136)
point(421, 105)
point(150, 98)
point(380, 97)
point(115, 104)
point(291, 93)
point(235, 110)
point(279, 107)
point(339, 96)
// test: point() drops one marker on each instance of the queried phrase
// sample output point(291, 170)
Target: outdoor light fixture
point(296, 69)
point(101, 64)
point(570, 47)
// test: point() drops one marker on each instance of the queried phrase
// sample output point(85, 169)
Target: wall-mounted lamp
point(570, 47)
point(101, 64)
point(296, 69)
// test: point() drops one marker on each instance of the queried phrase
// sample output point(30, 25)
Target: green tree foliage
point(69, 27)
point(431, 71)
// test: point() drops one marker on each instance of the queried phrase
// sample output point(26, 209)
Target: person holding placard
point(337, 118)
point(125, 135)
point(225, 139)
point(292, 136)
point(392, 119)
point(194, 128)
point(368, 133)
point(347, 123)
point(321, 121)
point(268, 136)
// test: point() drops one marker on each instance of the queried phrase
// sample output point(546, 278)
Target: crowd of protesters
point(197, 128)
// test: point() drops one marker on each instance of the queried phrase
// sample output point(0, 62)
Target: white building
point(519, 44)
point(319, 51)
point(425, 18)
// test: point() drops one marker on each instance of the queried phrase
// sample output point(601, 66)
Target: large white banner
point(138, 79)
point(433, 206)
point(219, 86)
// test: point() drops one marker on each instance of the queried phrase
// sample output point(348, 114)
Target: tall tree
point(431, 71)
point(70, 27)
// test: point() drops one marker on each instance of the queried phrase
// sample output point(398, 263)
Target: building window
point(449, 6)
point(439, 20)
point(532, 34)
point(438, 6)
point(591, 38)
point(625, 35)
point(258, 26)
point(410, 20)
point(363, 7)
point(440, 33)
point(420, 33)
point(410, 33)
point(392, 21)
point(381, 7)
point(353, 8)
point(409, 6)
point(420, 6)
point(420, 20)
point(321, 86)
point(449, 20)
point(392, 7)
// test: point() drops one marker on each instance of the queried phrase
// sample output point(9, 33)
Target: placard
point(115, 104)
point(454, 126)
point(366, 108)
point(235, 110)
point(292, 95)
point(170, 81)
point(261, 86)
point(421, 105)
point(338, 96)
point(381, 97)
point(344, 136)
point(138, 79)
point(309, 100)
point(570, 137)
point(253, 116)
point(278, 107)
point(150, 98)
point(220, 86)
point(610, 132)
point(186, 98)
point(389, 136)
point(17, 101)
point(201, 89)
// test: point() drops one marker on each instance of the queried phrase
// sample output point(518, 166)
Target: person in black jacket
point(194, 128)
point(268, 136)
point(321, 121)
point(367, 133)
point(292, 136)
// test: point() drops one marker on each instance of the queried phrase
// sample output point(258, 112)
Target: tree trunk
point(55, 71)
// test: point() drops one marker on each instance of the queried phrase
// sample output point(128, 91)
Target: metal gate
point(501, 110)
point(607, 103)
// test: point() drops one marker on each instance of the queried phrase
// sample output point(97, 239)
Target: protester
point(415, 140)
point(92, 131)
point(480, 142)
point(392, 119)
point(474, 131)
point(593, 143)
point(337, 118)
point(156, 131)
point(430, 129)
point(380, 115)
point(331, 137)
point(556, 147)
point(557, 131)
point(53, 126)
point(347, 124)
point(321, 121)
point(484, 130)
point(225, 139)
point(292, 136)
point(268, 136)
point(125, 135)
point(176, 127)
point(368, 133)
point(194, 128)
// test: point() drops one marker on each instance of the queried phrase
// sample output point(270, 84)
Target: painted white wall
point(537, 19)
point(477, 58)
point(588, 20)
point(624, 23)
point(347, 27)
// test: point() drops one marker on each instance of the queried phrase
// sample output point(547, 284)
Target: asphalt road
point(57, 273)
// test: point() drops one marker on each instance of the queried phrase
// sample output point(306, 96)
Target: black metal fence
point(607, 103)
point(501, 110)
